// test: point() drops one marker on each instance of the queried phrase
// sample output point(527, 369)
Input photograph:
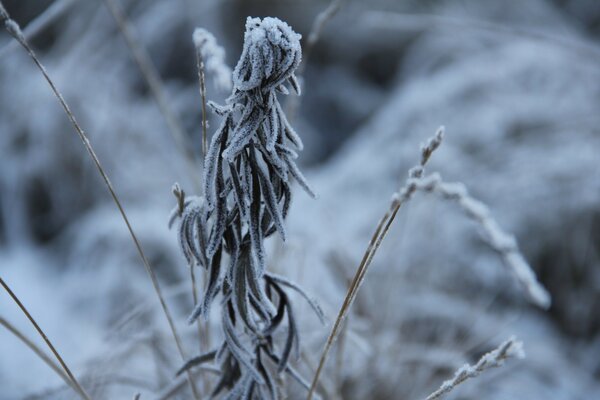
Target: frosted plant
point(213, 57)
point(247, 194)
point(495, 358)
point(504, 243)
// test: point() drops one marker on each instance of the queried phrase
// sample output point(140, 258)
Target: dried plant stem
point(202, 82)
point(339, 362)
point(152, 77)
point(380, 232)
point(13, 28)
point(39, 352)
point(495, 358)
point(74, 382)
point(504, 243)
point(41, 22)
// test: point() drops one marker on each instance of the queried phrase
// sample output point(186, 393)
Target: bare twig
point(202, 82)
point(339, 361)
point(502, 242)
point(74, 382)
point(13, 28)
point(39, 352)
point(380, 232)
point(152, 77)
point(495, 358)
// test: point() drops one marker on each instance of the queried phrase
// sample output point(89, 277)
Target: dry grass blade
point(495, 358)
point(150, 74)
point(39, 352)
point(380, 232)
point(504, 243)
point(78, 388)
point(13, 28)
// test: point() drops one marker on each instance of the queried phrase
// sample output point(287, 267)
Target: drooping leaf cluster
point(249, 168)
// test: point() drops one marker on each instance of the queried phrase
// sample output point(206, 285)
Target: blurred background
point(517, 86)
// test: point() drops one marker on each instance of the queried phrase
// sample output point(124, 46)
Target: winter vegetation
point(195, 200)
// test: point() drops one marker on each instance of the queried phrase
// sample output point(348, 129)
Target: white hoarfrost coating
point(213, 57)
point(271, 54)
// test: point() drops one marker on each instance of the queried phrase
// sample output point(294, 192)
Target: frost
point(495, 358)
point(504, 243)
point(270, 55)
point(213, 57)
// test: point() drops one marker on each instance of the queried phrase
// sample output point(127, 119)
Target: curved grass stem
point(74, 382)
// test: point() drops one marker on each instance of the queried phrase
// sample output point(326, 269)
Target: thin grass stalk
point(345, 306)
point(310, 365)
point(203, 334)
point(202, 82)
point(512, 348)
point(152, 77)
point(39, 352)
point(74, 382)
point(13, 28)
point(380, 233)
point(339, 362)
